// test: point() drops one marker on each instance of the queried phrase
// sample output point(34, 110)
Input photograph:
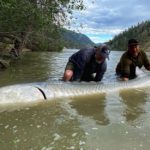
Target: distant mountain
point(98, 44)
point(140, 32)
point(71, 39)
point(50, 40)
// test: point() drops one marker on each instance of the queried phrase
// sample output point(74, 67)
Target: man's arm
point(100, 73)
point(79, 59)
point(123, 67)
point(146, 61)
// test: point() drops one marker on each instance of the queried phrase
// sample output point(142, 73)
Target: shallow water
point(110, 121)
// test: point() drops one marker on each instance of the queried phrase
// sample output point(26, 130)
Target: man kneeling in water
point(126, 68)
point(84, 63)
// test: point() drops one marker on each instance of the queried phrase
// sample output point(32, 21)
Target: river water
point(108, 121)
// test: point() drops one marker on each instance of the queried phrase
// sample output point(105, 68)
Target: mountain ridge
point(73, 39)
point(141, 32)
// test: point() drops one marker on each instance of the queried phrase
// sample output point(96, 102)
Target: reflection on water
point(92, 107)
point(134, 101)
point(36, 66)
point(32, 67)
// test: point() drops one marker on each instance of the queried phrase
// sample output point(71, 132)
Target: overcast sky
point(103, 19)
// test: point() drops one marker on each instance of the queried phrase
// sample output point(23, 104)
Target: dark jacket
point(85, 65)
point(127, 64)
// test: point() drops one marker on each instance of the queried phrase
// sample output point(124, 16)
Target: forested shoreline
point(38, 26)
point(141, 32)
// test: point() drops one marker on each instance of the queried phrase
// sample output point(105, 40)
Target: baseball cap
point(103, 50)
point(133, 42)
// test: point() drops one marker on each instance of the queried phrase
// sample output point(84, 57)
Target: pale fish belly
point(37, 92)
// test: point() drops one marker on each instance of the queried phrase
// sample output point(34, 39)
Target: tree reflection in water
point(134, 101)
point(92, 107)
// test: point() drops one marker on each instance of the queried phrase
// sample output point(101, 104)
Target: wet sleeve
point(146, 61)
point(125, 67)
point(77, 75)
point(100, 73)
point(81, 61)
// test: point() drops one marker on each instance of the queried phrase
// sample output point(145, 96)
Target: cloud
point(110, 16)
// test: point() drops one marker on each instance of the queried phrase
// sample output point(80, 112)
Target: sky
point(103, 19)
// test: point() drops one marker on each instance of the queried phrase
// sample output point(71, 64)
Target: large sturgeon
point(25, 93)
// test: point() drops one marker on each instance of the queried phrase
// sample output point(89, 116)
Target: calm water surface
point(109, 121)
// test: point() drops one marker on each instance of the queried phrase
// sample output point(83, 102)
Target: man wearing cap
point(132, 58)
point(83, 64)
